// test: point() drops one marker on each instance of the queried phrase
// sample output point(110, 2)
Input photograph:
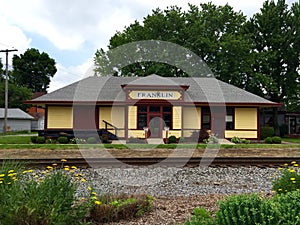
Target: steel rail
point(161, 162)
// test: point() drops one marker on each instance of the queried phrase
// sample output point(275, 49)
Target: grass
point(24, 142)
point(13, 139)
point(291, 140)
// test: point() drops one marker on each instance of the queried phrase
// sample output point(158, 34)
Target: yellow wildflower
point(11, 171)
point(63, 160)
point(74, 167)
point(97, 202)
point(293, 162)
point(94, 193)
point(90, 188)
point(292, 178)
point(2, 175)
point(54, 164)
point(12, 174)
point(83, 180)
point(285, 164)
point(296, 165)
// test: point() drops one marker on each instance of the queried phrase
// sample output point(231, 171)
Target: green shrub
point(246, 209)
point(77, 141)
point(288, 179)
point(40, 140)
point(91, 140)
point(266, 132)
point(289, 207)
point(212, 140)
point(245, 141)
point(33, 139)
point(276, 140)
point(172, 139)
point(115, 208)
point(50, 141)
point(63, 140)
point(269, 140)
point(236, 140)
point(47, 200)
point(200, 217)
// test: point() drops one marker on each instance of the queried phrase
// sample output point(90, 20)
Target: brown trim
point(243, 130)
point(126, 122)
point(182, 120)
point(174, 102)
point(46, 118)
point(258, 124)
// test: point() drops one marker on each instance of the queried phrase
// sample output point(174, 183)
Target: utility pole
point(6, 88)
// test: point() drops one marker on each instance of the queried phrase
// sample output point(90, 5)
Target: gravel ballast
point(175, 182)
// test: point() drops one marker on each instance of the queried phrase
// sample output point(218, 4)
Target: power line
point(6, 88)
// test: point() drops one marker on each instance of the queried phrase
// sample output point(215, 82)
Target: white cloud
point(12, 37)
point(65, 76)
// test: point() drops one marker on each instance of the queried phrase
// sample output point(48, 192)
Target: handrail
point(109, 124)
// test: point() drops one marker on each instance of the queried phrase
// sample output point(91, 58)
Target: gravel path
point(178, 191)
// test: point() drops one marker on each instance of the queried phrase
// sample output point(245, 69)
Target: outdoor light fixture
point(146, 129)
point(166, 129)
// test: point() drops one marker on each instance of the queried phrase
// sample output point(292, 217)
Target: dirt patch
point(170, 211)
point(130, 153)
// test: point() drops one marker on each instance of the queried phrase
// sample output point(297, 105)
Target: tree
point(1, 71)
point(16, 96)
point(33, 70)
point(215, 33)
point(275, 38)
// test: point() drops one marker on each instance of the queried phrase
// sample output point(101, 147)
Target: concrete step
point(155, 141)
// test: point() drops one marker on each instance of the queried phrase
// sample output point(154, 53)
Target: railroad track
point(163, 162)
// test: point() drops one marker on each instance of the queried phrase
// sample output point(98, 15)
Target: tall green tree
point(215, 33)
point(33, 70)
point(274, 32)
point(16, 96)
point(1, 71)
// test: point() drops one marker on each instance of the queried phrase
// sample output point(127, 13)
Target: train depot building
point(151, 107)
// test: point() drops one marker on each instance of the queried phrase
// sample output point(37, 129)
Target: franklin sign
point(168, 95)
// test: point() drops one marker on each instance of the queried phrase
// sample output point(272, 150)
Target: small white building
point(17, 120)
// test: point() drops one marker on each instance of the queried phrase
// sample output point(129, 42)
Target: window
point(229, 118)
point(205, 118)
point(142, 117)
point(145, 113)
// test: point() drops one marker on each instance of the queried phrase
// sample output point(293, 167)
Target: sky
point(71, 31)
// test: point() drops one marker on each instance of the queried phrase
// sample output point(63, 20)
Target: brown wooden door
point(218, 125)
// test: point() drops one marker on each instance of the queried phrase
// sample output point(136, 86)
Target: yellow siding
point(118, 113)
point(177, 117)
point(121, 133)
point(132, 117)
point(136, 133)
point(191, 117)
point(240, 134)
point(59, 117)
point(104, 114)
point(245, 118)
point(176, 133)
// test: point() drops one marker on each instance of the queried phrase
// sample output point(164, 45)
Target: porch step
point(155, 141)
